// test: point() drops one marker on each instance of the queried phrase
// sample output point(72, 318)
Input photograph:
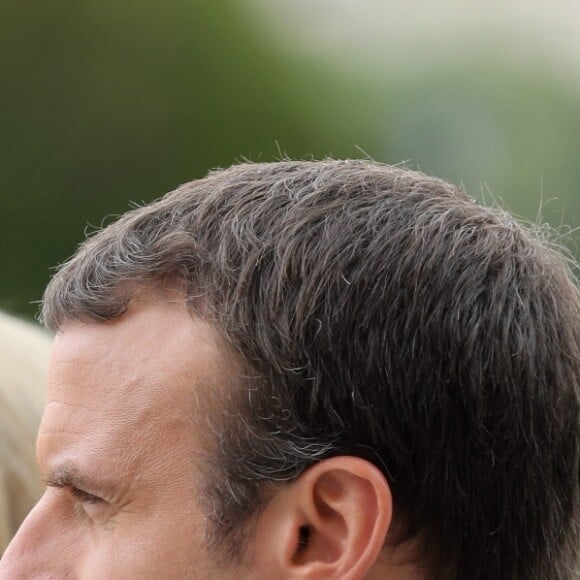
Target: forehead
point(138, 384)
point(151, 343)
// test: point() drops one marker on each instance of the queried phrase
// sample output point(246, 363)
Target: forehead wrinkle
point(148, 384)
point(138, 443)
point(68, 431)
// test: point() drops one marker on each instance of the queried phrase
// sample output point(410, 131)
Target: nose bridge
point(39, 548)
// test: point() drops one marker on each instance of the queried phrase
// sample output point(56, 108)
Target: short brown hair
point(383, 313)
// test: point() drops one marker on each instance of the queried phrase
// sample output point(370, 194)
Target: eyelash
point(84, 496)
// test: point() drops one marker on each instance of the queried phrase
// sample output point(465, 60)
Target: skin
point(113, 388)
point(122, 444)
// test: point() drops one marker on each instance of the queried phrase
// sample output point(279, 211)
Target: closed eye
point(69, 480)
point(84, 496)
point(93, 506)
point(76, 492)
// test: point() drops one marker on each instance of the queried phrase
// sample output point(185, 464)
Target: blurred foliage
point(508, 135)
point(104, 103)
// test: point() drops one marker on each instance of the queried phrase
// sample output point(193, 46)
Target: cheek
point(166, 546)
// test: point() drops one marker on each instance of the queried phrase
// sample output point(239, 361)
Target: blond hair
point(24, 350)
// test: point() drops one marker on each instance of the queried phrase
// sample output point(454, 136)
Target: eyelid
point(84, 496)
point(78, 493)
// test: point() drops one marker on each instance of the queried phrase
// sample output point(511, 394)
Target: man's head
point(312, 369)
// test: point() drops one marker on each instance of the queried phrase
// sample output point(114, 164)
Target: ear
point(330, 523)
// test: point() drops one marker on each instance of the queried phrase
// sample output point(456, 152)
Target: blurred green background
point(104, 103)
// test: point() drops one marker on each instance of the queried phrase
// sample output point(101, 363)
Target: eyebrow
point(68, 476)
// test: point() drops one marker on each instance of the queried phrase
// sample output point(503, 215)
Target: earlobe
point(331, 522)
